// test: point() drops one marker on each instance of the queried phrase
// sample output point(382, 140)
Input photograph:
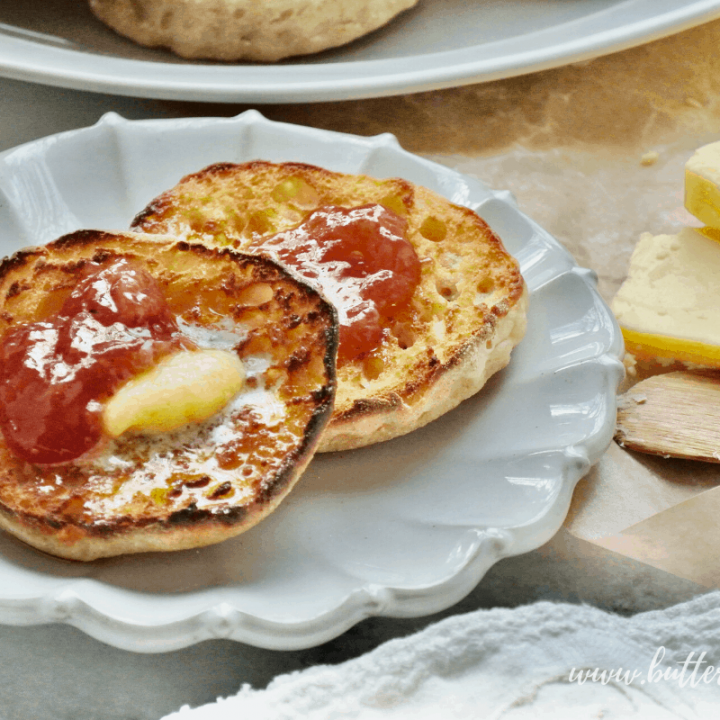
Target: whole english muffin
point(203, 482)
point(459, 327)
point(265, 31)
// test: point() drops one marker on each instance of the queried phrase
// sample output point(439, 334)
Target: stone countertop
point(594, 153)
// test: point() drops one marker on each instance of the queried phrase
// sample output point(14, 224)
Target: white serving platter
point(404, 528)
point(439, 43)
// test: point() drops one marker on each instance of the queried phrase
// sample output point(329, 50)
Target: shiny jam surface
point(55, 374)
point(361, 261)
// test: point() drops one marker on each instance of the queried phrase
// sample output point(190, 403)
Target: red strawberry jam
point(55, 374)
point(361, 261)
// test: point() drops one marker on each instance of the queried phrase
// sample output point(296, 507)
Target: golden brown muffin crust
point(204, 482)
point(463, 320)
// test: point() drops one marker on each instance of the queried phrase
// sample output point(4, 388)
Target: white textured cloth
point(527, 662)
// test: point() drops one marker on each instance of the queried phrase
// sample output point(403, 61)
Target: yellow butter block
point(702, 184)
point(652, 347)
point(669, 306)
point(189, 386)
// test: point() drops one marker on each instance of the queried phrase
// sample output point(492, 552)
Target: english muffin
point(155, 484)
point(265, 31)
point(436, 347)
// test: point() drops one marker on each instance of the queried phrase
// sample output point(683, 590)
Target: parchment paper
point(595, 153)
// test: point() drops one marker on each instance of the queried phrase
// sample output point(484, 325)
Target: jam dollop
point(362, 262)
point(55, 374)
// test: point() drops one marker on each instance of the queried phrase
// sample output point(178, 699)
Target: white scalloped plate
point(437, 44)
point(404, 528)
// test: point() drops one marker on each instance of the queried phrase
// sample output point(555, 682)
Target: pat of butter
point(186, 387)
point(669, 306)
point(702, 184)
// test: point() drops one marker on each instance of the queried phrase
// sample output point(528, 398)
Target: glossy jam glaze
point(361, 261)
point(55, 374)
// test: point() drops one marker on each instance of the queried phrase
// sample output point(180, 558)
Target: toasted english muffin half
point(206, 481)
point(459, 328)
point(264, 31)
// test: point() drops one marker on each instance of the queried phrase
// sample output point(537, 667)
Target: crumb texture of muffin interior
point(459, 327)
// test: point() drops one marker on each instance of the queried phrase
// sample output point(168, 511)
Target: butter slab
point(669, 306)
